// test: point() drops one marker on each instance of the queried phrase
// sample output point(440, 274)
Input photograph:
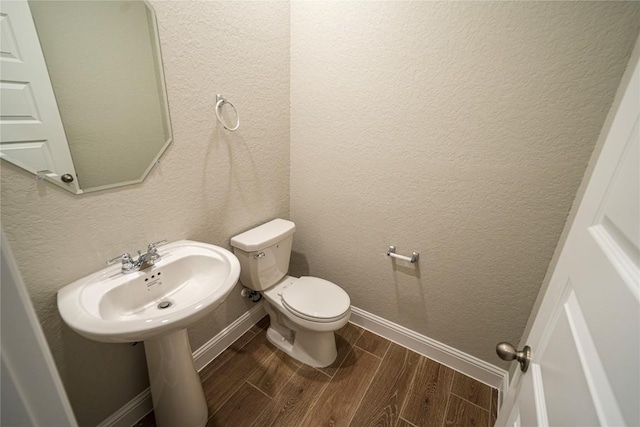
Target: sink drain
point(165, 304)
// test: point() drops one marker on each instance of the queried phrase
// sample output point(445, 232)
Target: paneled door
point(32, 135)
point(585, 339)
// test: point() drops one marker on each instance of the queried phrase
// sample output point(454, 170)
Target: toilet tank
point(264, 253)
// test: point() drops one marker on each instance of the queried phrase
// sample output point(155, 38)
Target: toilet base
point(317, 349)
point(310, 342)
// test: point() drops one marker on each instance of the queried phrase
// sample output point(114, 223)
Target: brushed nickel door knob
point(67, 178)
point(508, 352)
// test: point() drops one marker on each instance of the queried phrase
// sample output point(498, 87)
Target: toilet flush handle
point(260, 255)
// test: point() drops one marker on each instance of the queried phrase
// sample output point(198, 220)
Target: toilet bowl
point(304, 312)
point(305, 321)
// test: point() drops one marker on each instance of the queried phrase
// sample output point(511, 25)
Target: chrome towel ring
point(220, 101)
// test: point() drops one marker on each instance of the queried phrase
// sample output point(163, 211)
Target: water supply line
point(254, 296)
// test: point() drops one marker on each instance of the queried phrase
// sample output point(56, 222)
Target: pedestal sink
point(155, 306)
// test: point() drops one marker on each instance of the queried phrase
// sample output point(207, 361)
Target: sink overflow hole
point(164, 304)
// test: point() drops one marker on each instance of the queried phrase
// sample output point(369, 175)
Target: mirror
point(105, 68)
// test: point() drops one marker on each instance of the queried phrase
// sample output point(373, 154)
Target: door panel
point(32, 133)
point(566, 389)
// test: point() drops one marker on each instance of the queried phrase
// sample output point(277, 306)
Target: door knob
point(508, 352)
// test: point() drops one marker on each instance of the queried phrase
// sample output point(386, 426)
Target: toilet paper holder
point(392, 253)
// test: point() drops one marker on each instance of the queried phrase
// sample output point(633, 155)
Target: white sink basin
point(108, 306)
point(190, 279)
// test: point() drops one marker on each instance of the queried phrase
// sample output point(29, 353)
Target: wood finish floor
point(373, 382)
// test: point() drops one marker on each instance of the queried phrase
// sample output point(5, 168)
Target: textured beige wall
point(460, 130)
point(210, 185)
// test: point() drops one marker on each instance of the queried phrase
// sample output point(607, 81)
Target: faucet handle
point(122, 257)
point(151, 248)
point(125, 258)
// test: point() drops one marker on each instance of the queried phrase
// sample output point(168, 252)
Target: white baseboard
point(130, 413)
point(141, 405)
point(462, 362)
point(469, 365)
point(216, 345)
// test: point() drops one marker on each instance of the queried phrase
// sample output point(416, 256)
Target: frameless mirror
point(104, 66)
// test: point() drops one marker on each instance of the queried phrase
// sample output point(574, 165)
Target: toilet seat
point(315, 299)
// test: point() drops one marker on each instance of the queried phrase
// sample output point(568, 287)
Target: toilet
point(304, 312)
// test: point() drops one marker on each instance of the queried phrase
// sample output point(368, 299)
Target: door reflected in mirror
point(105, 67)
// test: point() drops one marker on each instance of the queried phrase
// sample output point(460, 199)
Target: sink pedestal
point(176, 390)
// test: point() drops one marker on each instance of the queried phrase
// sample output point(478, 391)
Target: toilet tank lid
point(264, 235)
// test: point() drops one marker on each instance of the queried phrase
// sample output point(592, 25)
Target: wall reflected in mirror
point(105, 66)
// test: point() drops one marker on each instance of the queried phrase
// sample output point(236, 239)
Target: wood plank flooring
point(373, 382)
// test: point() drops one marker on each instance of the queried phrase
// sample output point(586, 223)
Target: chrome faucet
point(144, 260)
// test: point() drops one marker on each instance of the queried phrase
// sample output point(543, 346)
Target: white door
point(32, 393)
point(585, 340)
point(32, 135)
